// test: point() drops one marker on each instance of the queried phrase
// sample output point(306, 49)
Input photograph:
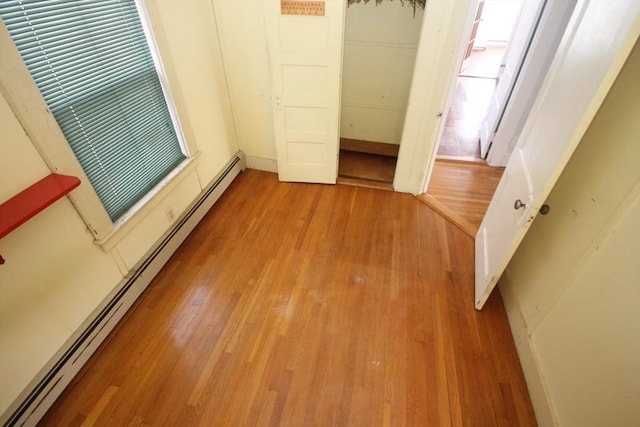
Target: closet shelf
point(34, 199)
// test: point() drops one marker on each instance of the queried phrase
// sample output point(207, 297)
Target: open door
point(542, 49)
point(521, 36)
point(597, 40)
point(474, 32)
point(305, 53)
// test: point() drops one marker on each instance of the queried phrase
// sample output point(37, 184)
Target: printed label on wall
point(301, 7)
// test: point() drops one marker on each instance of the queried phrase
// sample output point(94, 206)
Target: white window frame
point(24, 98)
point(162, 75)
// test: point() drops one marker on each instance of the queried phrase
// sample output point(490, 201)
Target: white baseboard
point(262, 164)
point(533, 375)
point(37, 398)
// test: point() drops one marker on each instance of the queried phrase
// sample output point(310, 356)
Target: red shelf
point(29, 202)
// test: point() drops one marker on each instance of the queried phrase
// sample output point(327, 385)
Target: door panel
point(535, 66)
point(493, 241)
point(511, 64)
point(305, 53)
point(598, 38)
point(474, 32)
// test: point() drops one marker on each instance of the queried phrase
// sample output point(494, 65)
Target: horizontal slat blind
point(92, 64)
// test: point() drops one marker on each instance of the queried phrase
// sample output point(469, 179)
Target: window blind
point(91, 62)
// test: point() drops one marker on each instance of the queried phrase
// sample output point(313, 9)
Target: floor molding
point(261, 163)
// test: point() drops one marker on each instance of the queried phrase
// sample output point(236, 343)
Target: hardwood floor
point(372, 170)
point(475, 86)
point(308, 305)
point(462, 191)
point(360, 146)
point(469, 105)
point(367, 164)
point(484, 62)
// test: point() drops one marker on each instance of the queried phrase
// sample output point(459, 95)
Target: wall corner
point(540, 399)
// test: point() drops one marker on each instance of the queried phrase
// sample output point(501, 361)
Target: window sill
point(140, 210)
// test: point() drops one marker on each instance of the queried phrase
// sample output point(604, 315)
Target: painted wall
point(55, 275)
point(572, 290)
point(242, 37)
point(380, 47)
point(496, 24)
point(244, 49)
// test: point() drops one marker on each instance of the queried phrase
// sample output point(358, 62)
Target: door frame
point(446, 27)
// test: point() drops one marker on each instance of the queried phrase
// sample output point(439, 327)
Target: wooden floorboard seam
point(448, 214)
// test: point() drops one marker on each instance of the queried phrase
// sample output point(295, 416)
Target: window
point(91, 62)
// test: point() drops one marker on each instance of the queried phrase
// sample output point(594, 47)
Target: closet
point(380, 45)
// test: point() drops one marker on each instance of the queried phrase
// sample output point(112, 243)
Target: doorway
point(462, 184)
point(379, 51)
point(306, 74)
point(492, 30)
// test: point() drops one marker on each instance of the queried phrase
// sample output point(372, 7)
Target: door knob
point(518, 204)
point(544, 209)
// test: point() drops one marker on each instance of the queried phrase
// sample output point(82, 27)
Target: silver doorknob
point(518, 204)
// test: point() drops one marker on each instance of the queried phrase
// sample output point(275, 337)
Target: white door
point(520, 38)
point(598, 39)
point(541, 51)
point(305, 53)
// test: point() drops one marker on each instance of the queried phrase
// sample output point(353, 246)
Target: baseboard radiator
point(34, 402)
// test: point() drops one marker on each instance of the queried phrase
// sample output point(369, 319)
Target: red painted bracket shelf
point(34, 199)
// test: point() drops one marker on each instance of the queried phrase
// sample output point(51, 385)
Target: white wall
point(242, 38)
point(572, 290)
point(189, 45)
point(55, 275)
point(379, 54)
point(380, 48)
point(496, 24)
point(244, 49)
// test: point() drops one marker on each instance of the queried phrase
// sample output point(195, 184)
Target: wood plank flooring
point(366, 169)
point(360, 146)
point(367, 164)
point(462, 191)
point(308, 305)
point(469, 106)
